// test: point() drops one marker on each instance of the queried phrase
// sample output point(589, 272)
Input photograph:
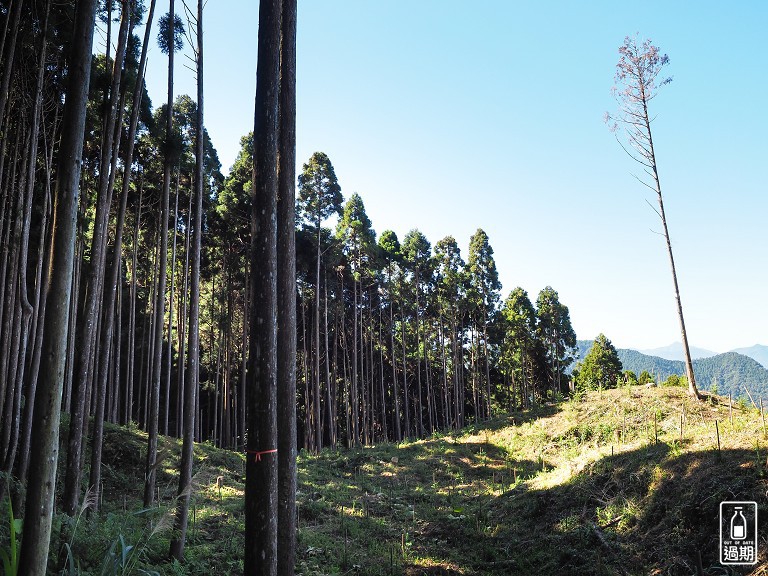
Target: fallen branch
point(750, 396)
point(604, 541)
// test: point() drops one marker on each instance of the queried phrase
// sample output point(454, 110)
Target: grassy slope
point(576, 488)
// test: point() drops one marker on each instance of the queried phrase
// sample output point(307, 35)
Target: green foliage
point(675, 380)
point(630, 378)
point(601, 368)
point(356, 234)
point(483, 277)
point(319, 194)
point(645, 378)
point(556, 334)
point(10, 557)
point(389, 246)
point(164, 34)
point(520, 346)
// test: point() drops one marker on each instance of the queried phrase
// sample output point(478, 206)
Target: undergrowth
point(624, 481)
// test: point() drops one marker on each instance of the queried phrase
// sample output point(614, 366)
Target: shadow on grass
point(638, 512)
point(450, 508)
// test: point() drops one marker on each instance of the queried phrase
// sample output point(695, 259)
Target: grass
point(604, 484)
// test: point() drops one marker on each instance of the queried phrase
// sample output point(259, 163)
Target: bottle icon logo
point(738, 525)
point(738, 533)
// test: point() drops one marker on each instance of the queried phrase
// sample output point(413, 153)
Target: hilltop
point(606, 483)
point(729, 373)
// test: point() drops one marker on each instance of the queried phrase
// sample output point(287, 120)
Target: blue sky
point(450, 116)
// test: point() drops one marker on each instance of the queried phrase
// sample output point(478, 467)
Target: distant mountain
point(732, 372)
point(757, 352)
point(659, 368)
point(674, 351)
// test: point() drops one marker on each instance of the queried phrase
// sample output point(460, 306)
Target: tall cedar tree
point(169, 40)
point(89, 319)
point(286, 288)
point(319, 198)
point(636, 84)
point(358, 243)
point(261, 395)
point(556, 335)
point(45, 431)
point(193, 359)
point(601, 367)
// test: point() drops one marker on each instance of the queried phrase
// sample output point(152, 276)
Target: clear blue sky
point(451, 115)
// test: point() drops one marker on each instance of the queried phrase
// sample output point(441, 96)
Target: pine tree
point(601, 367)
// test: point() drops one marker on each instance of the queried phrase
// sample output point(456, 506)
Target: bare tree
point(637, 83)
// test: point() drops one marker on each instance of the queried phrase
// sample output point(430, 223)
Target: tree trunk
point(318, 445)
point(42, 475)
point(406, 407)
point(286, 289)
point(131, 356)
point(261, 488)
point(355, 398)
point(169, 350)
point(8, 59)
point(154, 413)
point(26, 306)
point(182, 329)
point(398, 431)
point(329, 412)
point(692, 388)
point(37, 335)
point(90, 317)
point(193, 362)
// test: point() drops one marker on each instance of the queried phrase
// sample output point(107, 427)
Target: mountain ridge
point(674, 351)
point(730, 372)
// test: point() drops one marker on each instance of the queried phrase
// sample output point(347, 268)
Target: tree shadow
point(646, 511)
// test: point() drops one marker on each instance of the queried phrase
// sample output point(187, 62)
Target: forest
point(134, 278)
point(212, 371)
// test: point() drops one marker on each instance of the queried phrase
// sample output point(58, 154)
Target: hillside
point(730, 372)
point(757, 352)
point(660, 368)
point(604, 484)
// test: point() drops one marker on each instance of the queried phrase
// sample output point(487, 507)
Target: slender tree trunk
point(385, 430)
point(37, 336)
point(169, 350)
point(8, 59)
point(193, 371)
point(261, 486)
point(42, 475)
point(131, 368)
point(316, 380)
point(420, 419)
point(182, 329)
point(355, 398)
point(329, 412)
point(90, 317)
point(110, 288)
point(405, 385)
point(692, 388)
point(487, 366)
point(398, 431)
point(154, 415)
point(26, 306)
point(286, 289)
